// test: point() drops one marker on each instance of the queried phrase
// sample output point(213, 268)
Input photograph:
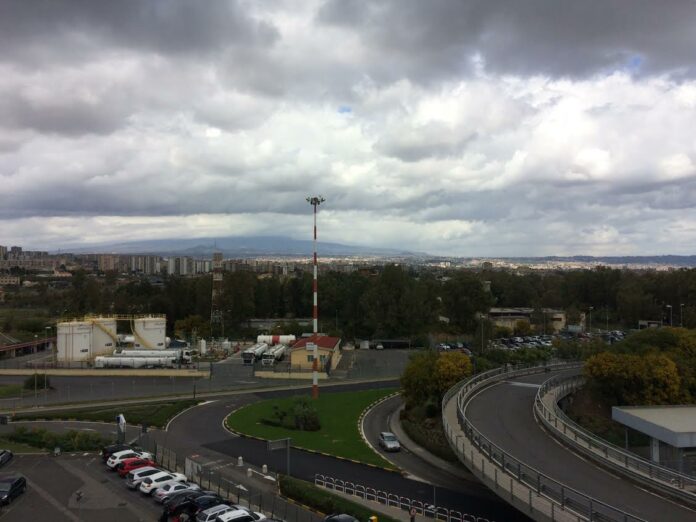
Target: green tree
point(418, 380)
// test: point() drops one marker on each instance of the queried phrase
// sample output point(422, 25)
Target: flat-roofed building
point(672, 432)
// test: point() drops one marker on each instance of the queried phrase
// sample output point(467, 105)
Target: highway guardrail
point(666, 480)
point(529, 489)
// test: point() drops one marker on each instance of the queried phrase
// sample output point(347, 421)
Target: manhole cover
point(122, 504)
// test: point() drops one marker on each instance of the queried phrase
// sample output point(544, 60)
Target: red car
point(130, 464)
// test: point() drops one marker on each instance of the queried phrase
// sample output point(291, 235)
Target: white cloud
point(136, 143)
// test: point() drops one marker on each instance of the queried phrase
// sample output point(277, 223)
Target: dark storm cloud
point(62, 27)
point(69, 117)
point(429, 40)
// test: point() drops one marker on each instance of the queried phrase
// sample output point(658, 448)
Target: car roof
point(386, 433)
point(234, 514)
point(217, 509)
point(140, 471)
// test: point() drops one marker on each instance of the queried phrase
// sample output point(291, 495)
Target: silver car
point(388, 441)
point(169, 489)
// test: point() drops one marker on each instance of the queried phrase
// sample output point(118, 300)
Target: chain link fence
point(222, 481)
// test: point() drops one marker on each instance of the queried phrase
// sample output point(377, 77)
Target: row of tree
point(393, 301)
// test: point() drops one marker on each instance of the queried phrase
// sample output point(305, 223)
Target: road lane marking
point(51, 500)
point(522, 384)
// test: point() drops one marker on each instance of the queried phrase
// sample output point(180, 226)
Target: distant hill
point(251, 246)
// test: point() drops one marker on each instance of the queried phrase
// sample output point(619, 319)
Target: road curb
point(240, 434)
point(361, 420)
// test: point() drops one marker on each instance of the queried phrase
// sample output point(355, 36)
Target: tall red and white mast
point(315, 201)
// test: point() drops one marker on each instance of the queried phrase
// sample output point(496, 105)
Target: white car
point(120, 456)
point(174, 487)
point(136, 476)
point(253, 514)
point(149, 484)
point(238, 515)
point(211, 514)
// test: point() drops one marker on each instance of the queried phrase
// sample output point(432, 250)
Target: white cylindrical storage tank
point(226, 346)
point(202, 347)
point(276, 339)
point(74, 341)
point(150, 333)
point(103, 335)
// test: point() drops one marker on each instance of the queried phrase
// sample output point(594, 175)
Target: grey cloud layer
point(462, 125)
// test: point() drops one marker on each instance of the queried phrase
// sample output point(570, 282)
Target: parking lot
point(53, 486)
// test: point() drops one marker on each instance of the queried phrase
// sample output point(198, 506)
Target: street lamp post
point(670, 314)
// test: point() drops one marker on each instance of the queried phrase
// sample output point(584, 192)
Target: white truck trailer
point(254, 353)
point(183, 355)
point(135, 362)
point(273, 355)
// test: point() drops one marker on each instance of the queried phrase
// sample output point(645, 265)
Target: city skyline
point(453, 128)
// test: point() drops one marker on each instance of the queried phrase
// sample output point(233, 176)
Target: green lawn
point(10, 390)
point(338, 414)
point(155, 414)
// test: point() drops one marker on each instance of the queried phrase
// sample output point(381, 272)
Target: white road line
point(51, 500)
point(522, 384)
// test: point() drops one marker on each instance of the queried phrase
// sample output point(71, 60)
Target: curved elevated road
point(504, 414)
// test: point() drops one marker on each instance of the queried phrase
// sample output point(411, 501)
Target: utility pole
point(315, 201)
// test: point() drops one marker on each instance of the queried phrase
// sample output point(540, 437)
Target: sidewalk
point(434, 460)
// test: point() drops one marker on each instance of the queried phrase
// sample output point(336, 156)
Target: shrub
point(69, 441)
point(321, 500)
point(37, 381)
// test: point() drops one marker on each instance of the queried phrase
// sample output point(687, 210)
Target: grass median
point(338, 415)
point(154, 414)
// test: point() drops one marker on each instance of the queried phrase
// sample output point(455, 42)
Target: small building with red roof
point(302, 352)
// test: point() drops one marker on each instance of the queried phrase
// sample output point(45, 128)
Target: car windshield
point(389, 437)
point(5, 486)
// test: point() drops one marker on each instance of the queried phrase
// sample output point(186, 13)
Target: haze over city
point(453, 128)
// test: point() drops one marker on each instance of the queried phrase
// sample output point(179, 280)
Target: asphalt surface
point(201, 427)
point(52, 486)
point(416, 468)
point(504, 414)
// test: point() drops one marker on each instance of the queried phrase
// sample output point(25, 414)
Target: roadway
point(380, 418)
point(504, 413)
point(201, 428)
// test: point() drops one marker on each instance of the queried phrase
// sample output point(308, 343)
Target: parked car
point(388, 441)
point(254, 514)
point(135, 477)
point(149, 484)
point(210, 514)
point(107, 451)
point(166, 491)
point(5, 457)
point(191, 506)
point(127, 465)
point(178, 496)
point(340, 518)
point(237, 515)
point(11, 487)
point(120, 456)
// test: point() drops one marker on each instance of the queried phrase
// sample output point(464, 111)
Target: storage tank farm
point(150, 333)
point(74, 342)
point(103, 335)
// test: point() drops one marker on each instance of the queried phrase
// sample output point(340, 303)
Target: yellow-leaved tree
point(450, 368)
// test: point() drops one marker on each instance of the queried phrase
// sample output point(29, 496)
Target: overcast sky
point(456, 127)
